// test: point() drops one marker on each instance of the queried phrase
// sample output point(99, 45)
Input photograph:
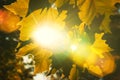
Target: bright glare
point(74, 47)
point(49, 37)
point(28, 58)
point(41, 76)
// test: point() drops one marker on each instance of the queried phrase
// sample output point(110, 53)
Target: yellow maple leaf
point(89, 9)
point(26, 49)
point(41, 55)
point(49, 17)
point(99, 46)
point(20, 7)
point(103, 61)
point(105, 24)
point(42, 58)
point(28, 24)
point(95, 57)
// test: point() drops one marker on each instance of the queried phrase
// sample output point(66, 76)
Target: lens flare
point(49, 37)
point(74, 47)
point(41, 76)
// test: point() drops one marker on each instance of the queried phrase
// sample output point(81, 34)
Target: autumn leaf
point(105, 24)
point(28, 24)
point(103, 61)
point(95, 57)
point(26, 49)
point(97, 70)
point(102, 66)
point(20, 7)
point(89, 9)
point(82, 28)
point(38, 18)
point(8, 21)
point(99, 46)
point(42, 58)
point(74, 73)
point(33, 21)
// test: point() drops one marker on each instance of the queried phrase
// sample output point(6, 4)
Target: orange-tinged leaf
point(108, 65)
point(102, 66)
point(95, 70)
point(8, 21)
point(20, 7)
point(38, 18)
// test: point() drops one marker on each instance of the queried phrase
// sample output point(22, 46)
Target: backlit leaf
point(8, 21)
point(87, 11)
point(105, 24)
point(102, 66)
point(42, 58)
point(103, 63)
point(41, 55)
point(74, 73)
point(38, 18)
point(91, 8)
point(95, 57)
point(82, 28)
point(20, 7)
point(26, 49)
point(99, 46)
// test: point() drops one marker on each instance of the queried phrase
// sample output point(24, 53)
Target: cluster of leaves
point(11, 67)
point(82, 18)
